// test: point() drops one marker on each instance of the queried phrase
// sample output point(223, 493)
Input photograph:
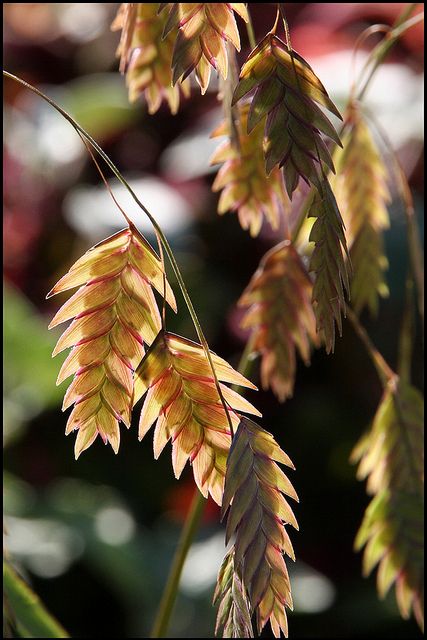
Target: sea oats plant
point(121, 350)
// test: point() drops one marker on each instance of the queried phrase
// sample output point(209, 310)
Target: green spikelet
point(253, 494)
point(391, 458)
point(114, 313)
point(286, 91)
point(281, 316)
point(149, 58)
point(203, 31)
point(242, 180)
point(362, 193)
point(233, 616)
point(183, 401)
point(328, 264)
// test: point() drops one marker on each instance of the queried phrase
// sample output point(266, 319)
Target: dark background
point(95, 537)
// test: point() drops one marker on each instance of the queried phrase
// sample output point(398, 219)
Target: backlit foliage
point(257, 512)
point(363, 196)
point(242, 179)
point(392, 532)
point(328, 264)
point(184, 402)
point(148, 59)
point(286, 91)
point(203, 31)
point(280, 315)
point(114, 313)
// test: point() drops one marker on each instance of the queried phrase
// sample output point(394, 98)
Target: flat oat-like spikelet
point(327, 262)
point(280, 316)
point(245, 186)
point(184, 402)
point(203, 31)
point(234, 617)
point(253, 494)
point(149, 59)
point(391, 458)
point(362, 193)
point(286, 91)
point(114, 313)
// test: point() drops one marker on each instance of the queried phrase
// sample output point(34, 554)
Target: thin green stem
point(161, 235)
point(384, 371)
point(167, 602)
point(30, 613)
point(250, 30)
point(383, 48)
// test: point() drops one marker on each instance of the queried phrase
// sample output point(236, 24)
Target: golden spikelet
point(362, 193)
point(183, 399)
point(245, 186)
point(391, 458)
point(149, 58)
point(234, 617)
point(286, 91)
point(327, 262)
point(114, 313)
point(203, 31)
point(125, 21)
point(280, 316)
point(253, 494)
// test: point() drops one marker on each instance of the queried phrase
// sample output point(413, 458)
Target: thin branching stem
point(156, 226)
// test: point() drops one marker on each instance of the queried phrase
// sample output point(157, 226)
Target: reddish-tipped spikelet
point(286, 90)
point(203, 31)
point(392, 532)
point(254, 488)
point(183, 399)
point(149, 59)
point(281, 316)
point(234, 617)
point(327, 262)
point(362, 193)
point(114, 313)
point(245, 186)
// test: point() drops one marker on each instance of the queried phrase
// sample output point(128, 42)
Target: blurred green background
point(95, 537)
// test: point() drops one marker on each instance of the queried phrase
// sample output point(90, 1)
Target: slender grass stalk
point(250, 30)
point(31, 614)
point(167, 601)
point(153, 221)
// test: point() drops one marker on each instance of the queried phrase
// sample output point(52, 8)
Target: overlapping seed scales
point(242, 179)
point(149, 59)
point(361, 189)
point(391, 458)
point(183, 401)
point(280, 316)
point(257, 512)
point(115, 313)
point(328, 264)
point(285, 92)
point(234, 617)
point(203, 31)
